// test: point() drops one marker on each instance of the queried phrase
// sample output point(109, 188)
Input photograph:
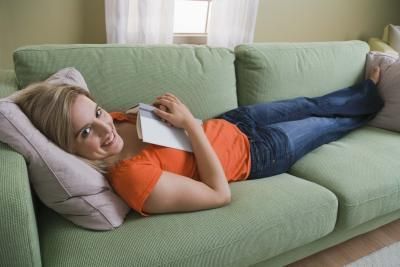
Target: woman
point(248, 142)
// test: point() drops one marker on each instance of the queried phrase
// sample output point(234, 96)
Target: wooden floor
point(355, 248)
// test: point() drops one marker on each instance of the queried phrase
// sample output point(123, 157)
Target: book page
point(160, 133)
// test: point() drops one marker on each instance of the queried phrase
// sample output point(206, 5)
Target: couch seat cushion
point(266, 217)
point(362, 169)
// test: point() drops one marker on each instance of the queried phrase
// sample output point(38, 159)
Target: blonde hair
point(48, 107)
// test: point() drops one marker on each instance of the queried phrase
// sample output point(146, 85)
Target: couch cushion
point(8, 84)
point(267, 72)
point(266, 217)
point(362, 169)
point(120, 76)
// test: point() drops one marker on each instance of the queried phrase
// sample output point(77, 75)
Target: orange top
point(134, 178)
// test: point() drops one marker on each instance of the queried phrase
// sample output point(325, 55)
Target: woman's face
point(95, 136)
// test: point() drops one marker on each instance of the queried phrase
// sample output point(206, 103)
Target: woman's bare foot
point(375, 74)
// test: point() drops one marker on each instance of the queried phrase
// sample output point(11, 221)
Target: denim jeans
point(281, 132)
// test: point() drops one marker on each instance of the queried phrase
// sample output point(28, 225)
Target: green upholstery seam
point(369, 200)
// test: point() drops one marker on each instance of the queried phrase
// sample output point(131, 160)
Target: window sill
point(190, 38)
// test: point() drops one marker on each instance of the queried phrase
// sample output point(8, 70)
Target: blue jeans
point(281, 132)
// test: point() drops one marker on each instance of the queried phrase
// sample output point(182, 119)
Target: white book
point(151, 129)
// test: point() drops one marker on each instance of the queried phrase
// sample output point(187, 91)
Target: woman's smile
point(110, 141)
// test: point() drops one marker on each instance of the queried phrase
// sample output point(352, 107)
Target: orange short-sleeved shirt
point(134, 179)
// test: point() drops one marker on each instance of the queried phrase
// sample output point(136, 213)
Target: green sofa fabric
point(276, 71)
point(8, 84)
point(334, 193)
point(18, 229)
point(336, 237)
point(120, 76)
point(362, 169)
point(266, 218)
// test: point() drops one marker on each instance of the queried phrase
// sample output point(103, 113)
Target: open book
point(151, 129)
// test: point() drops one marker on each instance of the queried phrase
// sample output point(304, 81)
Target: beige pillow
point(62, 181)
point(389, 89)
point(69, 76)
point(394, 37)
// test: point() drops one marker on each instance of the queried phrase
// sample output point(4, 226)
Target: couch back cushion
point(275, 71)
point(120, 76)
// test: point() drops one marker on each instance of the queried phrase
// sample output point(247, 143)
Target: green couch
point(338, 191)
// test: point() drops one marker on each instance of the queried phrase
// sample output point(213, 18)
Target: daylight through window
point(191, 16)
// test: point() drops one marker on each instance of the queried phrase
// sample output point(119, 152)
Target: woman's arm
point(174, 193)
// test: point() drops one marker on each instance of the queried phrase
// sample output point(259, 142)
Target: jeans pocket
point(270, 154)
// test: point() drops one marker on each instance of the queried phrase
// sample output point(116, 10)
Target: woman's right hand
point(177, 114)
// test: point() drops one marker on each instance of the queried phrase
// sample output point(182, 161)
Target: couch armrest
point(8, 83)
point(19, 239)
point(377, 44)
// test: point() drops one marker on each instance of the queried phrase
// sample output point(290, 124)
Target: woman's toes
point(375, 74)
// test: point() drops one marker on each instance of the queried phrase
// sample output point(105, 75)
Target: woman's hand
point(172, 110)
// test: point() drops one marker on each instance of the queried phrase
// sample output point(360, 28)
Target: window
point(191, 20)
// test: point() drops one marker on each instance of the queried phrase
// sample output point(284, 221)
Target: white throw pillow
point(394, 37)
point(61, 180)
point(389, 89)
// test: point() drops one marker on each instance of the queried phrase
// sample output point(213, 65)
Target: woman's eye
point(98, 112)
point(85, 133)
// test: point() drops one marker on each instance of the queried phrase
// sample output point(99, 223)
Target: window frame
point(194, 38)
